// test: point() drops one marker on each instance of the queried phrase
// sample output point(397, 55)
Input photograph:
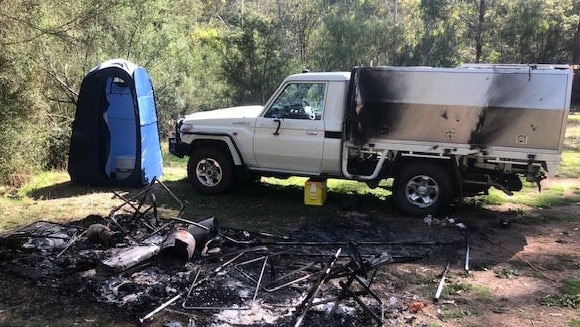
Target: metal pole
point(441, 282)
point(308, 301)
point(466, 266)
point(161, 307)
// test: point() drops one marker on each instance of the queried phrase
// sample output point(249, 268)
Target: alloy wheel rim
point(208, 172)
point(422, 191)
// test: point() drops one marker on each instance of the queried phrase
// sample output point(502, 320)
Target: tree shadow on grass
point(68, 190)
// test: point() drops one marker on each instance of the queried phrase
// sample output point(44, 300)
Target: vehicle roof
point(345, 76)
point(320, 76)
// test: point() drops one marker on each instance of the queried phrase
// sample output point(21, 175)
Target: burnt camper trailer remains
point(440, 133)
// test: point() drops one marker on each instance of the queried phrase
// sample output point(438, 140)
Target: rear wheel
point(210, 171)
point(421, 189)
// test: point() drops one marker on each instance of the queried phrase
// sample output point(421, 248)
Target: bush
point(18, 149)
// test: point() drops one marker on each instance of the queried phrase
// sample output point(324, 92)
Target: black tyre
point(210, 171)
point(421, 189)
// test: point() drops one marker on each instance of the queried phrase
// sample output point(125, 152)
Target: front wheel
point(422, 189)
point(210, 171)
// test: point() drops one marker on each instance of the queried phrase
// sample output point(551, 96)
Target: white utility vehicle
point(440, 133)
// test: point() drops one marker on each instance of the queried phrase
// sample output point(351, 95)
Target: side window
point(299, 101)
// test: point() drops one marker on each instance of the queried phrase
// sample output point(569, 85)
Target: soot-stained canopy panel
point(475, 105)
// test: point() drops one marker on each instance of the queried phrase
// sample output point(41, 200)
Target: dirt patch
point(509, 282)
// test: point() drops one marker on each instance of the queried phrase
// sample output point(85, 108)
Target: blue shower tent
point(115, 138)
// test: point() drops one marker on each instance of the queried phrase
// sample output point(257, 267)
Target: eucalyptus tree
point(532, 31)
point(298, 21)
point(475, 27)
point(436, 28)
point(356, 32)
point(254, 60)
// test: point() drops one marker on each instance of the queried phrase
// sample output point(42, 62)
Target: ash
point(316, 276)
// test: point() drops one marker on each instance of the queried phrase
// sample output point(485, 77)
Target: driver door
point(290, 134)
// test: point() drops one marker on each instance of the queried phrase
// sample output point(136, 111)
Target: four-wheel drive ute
point(440, 133)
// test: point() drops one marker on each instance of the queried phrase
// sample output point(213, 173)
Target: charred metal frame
point(141, 197)
point(226, 264)
point(356, 270)
point(308, 301)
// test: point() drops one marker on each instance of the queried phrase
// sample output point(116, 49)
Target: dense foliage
point(207, 54)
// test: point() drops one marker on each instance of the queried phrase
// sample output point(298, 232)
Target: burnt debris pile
point(149, 264)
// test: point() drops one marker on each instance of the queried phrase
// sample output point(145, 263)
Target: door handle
point(311, 132)
point(277, 120)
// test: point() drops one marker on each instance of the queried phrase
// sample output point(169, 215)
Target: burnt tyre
point(422, 189)
point(210, 171)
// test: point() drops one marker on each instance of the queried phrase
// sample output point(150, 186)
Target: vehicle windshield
point(299, 101)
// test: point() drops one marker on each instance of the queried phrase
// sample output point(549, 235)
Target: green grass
point(571, 286)
point(170, 160)
point(507, 273)
point(559, 194)
point(570, 165)
point(574, 119)
point(335, 186)
point(41, 180)
point(568, 296)
point(272, 203)
point(451, 313)
point(478, 290)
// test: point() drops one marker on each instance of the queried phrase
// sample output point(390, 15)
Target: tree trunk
point(576, 46)
point(479, 31)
